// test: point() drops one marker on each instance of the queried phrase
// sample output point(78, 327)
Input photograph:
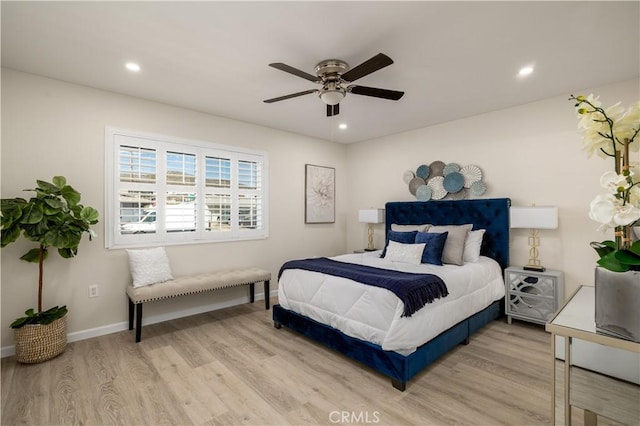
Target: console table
point(576, 319)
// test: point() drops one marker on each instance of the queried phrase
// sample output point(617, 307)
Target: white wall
point(54, 128)
point(531, 154)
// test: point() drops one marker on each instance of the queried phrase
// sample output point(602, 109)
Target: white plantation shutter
point(162, 190)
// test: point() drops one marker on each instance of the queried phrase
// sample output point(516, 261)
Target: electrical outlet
point(93, 290)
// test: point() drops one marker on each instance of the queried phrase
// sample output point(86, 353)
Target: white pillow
point(409, 228)
point(149, 266)
point(472, 246)
point(407, 253)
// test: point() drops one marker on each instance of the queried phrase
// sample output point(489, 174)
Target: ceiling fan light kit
point(334, 75)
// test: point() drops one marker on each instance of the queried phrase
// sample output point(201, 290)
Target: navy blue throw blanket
point(415, 290)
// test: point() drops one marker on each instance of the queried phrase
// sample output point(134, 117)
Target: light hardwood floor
point(233, 367)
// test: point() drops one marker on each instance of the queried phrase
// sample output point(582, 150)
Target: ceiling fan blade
point(367, 67)
point(393, 95)
point(293, 95)
point(291, 70)
point(333, 110)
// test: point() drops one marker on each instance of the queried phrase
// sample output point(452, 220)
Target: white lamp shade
point(371, 215)
point(535, 217)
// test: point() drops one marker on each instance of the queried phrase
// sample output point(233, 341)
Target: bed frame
point(489, 214)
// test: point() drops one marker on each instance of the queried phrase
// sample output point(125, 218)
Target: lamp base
point(534, 268)
point(370, 249)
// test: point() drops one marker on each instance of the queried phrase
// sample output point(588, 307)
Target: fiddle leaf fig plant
point(52, 218)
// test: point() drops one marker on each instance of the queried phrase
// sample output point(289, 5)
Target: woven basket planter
point(40, 342)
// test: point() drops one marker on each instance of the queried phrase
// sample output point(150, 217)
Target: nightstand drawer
point(531, 308)
point(542, 286)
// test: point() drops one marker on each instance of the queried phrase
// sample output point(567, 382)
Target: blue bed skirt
point(398, 367)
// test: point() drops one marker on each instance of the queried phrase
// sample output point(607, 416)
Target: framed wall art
point(320, 203)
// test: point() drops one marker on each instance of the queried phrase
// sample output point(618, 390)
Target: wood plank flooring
point(232, 367)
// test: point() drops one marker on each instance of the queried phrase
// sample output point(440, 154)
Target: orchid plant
point(612, 133)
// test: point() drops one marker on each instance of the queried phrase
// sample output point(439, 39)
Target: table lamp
point(534, 218)
point(371, 216)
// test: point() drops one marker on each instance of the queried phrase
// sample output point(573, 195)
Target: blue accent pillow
point(399, 237)
point(434, 246)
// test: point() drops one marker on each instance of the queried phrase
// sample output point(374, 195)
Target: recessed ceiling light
point(132, 66)
point(524, 71)
point(342, 126)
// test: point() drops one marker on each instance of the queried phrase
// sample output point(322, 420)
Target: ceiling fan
point(334, 75)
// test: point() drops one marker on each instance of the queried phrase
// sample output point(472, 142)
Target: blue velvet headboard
point(491, 214)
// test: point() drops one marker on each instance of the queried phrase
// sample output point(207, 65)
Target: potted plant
point(53, 218)
point(613, 133)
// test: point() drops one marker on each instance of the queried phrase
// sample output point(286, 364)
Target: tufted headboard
point(491, 214)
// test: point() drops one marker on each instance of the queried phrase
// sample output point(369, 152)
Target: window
point(162, 191)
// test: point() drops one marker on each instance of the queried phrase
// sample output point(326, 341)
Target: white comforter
point(374, 314)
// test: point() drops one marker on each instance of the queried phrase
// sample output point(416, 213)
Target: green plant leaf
point(71, 195)
point(46, 187)
point(12, 210)
point(32, 213)
point(604, 248)
point(67, 253)
point(627, 257)
point(45, 317)
point(54, 203)
point(59, 181)
point(33, 255)
point(610, 262)
point(57, 238)
point(89, 214)
point(635, 247)
point(20, 322)
point(10, 234)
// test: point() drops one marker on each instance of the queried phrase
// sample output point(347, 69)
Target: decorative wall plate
point(460, 195)
point(477, 188)
point(423, 193)
point(414, 184)
point(422, 171)
point(436, 168)
point(437, 190)
point(471, 174)
point(407, 176)
point(453, 182)
point(450, 168)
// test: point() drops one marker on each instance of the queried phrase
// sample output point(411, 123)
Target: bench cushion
point(189, 284)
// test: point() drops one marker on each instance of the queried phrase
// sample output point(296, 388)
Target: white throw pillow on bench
point(149, 266)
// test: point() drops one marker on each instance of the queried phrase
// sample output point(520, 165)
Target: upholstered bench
point(181, 286)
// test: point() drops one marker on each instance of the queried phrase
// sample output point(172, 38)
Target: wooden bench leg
point(138, 322)
point(266, 294)
point(131, 308)
point(252, 290)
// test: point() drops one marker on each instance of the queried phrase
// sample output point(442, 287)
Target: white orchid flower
point(626, 215)
point(603, 208)
point(611, 181)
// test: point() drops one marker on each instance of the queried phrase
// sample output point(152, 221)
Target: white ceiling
point(452, 59)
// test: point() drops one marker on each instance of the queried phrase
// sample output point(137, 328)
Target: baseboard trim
point(122, 326)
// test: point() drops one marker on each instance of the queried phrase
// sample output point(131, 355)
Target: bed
point(371, 326)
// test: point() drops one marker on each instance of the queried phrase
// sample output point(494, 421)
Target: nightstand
point(531, 295)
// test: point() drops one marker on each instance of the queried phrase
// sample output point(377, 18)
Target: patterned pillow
point(407, 253)
point(149, 266)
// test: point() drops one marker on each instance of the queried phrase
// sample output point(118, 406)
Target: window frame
point(116, 137)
